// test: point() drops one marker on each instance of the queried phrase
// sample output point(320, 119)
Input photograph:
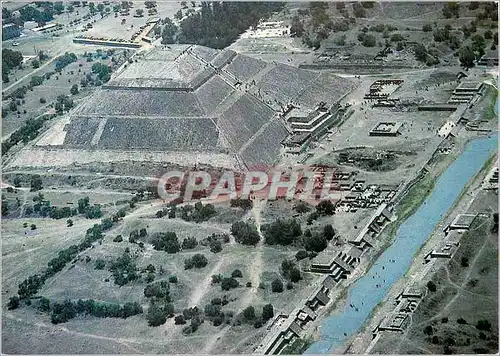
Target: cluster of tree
point(358, 10)
point(168, 35)
point(64, 60)
point(10, 59)
point(196, 261)
point(317, 241)
point(102, 71)
point(189, 243)
point(324, 208)
point(302, 207)
point(46, 14)
point(245, 204)
point(197, 213)
point(158, 313)
point(90, 211)
point(245, 233)
point(27, 132)
point(290, 271)
point(124, 269)
point(136, 234)
point(62, 312)
point(159, 291)
point(281, 232)
point(63, 103)
point(424, 55)
point(196, 316)
point(167, 242)
point(219, 24)
point(490, 10)
point(214, 313)
point(367, 40)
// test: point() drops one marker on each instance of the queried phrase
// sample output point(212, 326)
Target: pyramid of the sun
point(195, 99)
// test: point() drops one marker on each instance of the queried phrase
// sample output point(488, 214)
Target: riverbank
point(418, 272)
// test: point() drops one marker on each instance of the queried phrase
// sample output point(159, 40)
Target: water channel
point(371, 289)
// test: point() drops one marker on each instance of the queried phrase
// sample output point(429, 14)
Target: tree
point(431, 286)
point(197, 261)
point(74, 89)
point(282, 232)
point(13, 302)
point(267, 312)
point(156, 315)
point(35, 63)
point(326, 207)
point(420, 52)
point(100, 264)
point(466, 57)
point(179, 320)
point(169, 32)
point(329, 232)
point(44, 304)
point(451, 9)
point(244, 233)
point(316, 243)
point(483, 324)
point(69, 222)
point(237, 274)
point(178, 15)
point(297, 28)
point(249, 313)
point(229, 283)
point(189, 243)
point(277, 286)
point(36, 81)
point(427, 27)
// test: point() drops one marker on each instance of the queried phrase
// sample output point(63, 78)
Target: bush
point(464, 262)
point(277, 286)
point(461, 321)
point(172, 279)
point(257, 324)
point(118, 238)
point(428, 330)
point(215, 246)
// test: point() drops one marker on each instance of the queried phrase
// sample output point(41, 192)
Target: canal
point(370, 290)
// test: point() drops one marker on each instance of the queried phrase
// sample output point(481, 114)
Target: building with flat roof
point(489, 59)
point(386, 128)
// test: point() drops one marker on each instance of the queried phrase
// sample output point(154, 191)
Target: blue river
point(364, 295)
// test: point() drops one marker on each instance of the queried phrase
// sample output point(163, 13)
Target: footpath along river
point(371, 289)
